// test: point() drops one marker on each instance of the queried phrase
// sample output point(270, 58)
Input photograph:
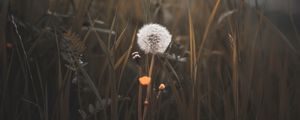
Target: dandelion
point(153, 38)
point(145, 80)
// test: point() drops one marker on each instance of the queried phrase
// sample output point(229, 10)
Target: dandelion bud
point(161, 87)
point(146, 102)
point(153, 38)
point(136, 56)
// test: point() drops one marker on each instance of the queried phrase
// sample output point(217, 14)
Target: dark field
point(72, 60)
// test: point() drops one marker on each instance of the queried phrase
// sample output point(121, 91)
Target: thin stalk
point(148, 87)
point(140, 103)
point(235, 74)
point(140, 114)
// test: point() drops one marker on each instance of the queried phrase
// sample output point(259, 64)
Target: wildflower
point(145, 80)
point(153, 38)
point(161, 86)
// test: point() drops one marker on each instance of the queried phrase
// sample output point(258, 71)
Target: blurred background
point(71, 60)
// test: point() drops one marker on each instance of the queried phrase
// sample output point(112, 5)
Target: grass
point(240, 62)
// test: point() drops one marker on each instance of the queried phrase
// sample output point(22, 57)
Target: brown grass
point(242, 62)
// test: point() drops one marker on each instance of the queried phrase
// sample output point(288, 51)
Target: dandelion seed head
point(153, 38)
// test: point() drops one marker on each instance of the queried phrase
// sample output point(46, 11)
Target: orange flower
point(162, 86)
point(145, 80)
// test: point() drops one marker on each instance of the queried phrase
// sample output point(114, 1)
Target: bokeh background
point(71, 60)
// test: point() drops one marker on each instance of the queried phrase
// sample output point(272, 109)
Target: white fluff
point(153, 38)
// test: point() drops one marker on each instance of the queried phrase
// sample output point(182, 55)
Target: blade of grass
point(284, 38)
point(118, 41)
point(207, 28)
point(235, 82)
point(192, 49)
point(193, 68)
point(91, 83)
point(6, 82)
point(127, 56)
point(111, 29)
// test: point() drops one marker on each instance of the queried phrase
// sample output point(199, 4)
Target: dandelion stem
point(140, 103)
point(149, 86)
point(151, 65)
point(140, 94)
point(158, 94)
